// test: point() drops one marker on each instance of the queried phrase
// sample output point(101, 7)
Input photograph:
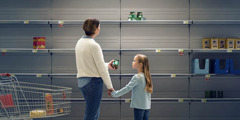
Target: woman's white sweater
point(90, 61)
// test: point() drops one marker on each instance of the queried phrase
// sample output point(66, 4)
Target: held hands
point(109, 91)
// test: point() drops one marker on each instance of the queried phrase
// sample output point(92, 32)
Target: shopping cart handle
point(6, 74)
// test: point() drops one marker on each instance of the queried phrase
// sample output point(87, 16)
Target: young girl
point(141, 86)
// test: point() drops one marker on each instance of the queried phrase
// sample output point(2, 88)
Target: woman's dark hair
point(90, 26)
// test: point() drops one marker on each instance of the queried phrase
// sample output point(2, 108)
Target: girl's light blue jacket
point(140, 98)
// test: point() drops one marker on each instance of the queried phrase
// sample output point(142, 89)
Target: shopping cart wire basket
point(25, 101)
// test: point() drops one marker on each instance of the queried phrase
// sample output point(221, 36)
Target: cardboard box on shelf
point(206, 43)
point(222, 43)
point(230, 43)
point(237, 43)
point(214, 43)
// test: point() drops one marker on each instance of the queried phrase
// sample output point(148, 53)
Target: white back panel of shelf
point(155, 36)
point(25, 10)
point(67, 36)
point(83, 9)
point(214, 10)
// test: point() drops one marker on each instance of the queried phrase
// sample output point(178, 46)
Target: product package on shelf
point(206, 43)
point(201, 66)
point(234, 66)
point(139, 16)
point(39, 42)
point(132, 16)
point(230, 43)
point(214, 43)
point(213, 94)
point(237, 43)
point(220, 66)
point(222, 43)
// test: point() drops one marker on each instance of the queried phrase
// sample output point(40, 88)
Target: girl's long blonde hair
point(144, 60)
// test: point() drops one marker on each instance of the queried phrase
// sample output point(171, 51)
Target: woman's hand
point(110, 65)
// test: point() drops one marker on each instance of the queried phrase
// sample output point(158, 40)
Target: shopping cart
point(26, 101)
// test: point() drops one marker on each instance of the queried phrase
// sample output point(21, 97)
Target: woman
point(92, 69)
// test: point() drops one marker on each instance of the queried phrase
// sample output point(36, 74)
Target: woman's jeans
point(92, 93)
point(140, 114)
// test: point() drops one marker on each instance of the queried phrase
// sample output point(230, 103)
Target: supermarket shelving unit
point(178, 94)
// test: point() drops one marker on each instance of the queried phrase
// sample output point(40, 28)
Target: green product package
point(115, 63)
point(207, 94)
point(132, 16)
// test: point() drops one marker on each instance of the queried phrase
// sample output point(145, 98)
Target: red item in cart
point(6, 101)
point(39, 43)
point(49, 104)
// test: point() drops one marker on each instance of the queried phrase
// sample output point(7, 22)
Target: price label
point(26, 22)
point(229, 50)
point(180, 100)
point(34, 50)
point(127, 101)
point(207, 77)
point(173, 75)
point(185, 22)
point(4, 50)
point(60, 23)
point(39, 75)
point(203, 100)
point(158, 50)
point(181, 51)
